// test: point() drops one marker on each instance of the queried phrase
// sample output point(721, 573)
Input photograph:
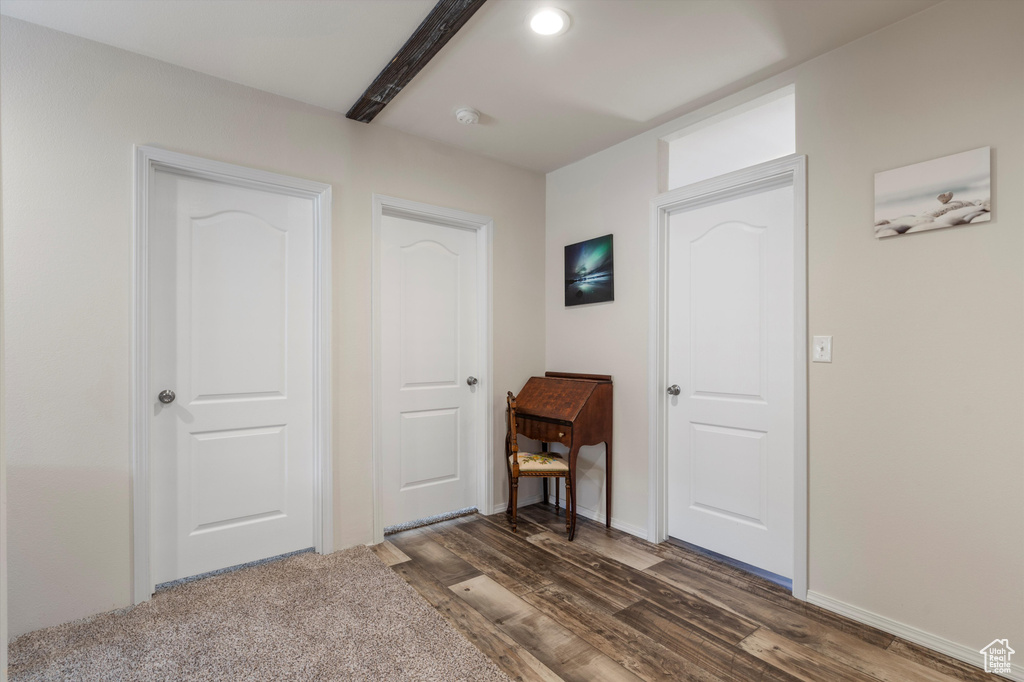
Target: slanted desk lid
point(560, 399)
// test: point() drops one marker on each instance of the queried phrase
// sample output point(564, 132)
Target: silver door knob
point(674, 389)
point(166, 396)
point(472, 381)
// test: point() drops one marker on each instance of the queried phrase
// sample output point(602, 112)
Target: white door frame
point(148, 159)
point(779, 172)
point(484, 226)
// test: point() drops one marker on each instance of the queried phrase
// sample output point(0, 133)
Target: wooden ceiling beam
point(443, 22)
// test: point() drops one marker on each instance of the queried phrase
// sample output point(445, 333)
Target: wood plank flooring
point(610, 606)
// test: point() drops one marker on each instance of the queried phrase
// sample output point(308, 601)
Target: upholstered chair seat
point(541, 461)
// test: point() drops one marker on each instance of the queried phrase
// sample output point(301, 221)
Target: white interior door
point(429, 348)
point(731, 351)
point(231, 329)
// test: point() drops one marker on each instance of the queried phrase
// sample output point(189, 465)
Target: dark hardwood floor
point(610, 606)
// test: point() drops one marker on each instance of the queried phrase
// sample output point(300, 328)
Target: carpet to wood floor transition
point(531, 606)
point(345, 616)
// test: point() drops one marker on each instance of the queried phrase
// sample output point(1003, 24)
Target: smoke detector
point(467, 116)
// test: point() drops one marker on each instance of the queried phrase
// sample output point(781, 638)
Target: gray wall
point(71, 111)
point(916, 436)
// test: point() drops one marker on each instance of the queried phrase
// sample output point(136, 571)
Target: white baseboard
point(909, 633)
point(523, 502)
point(594, 515)
point(582, 511)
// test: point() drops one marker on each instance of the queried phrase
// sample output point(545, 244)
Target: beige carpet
point(345, 616)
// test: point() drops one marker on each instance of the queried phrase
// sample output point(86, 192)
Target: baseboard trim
point(523, 502)
point(594, 515)
point(909, 633)
point(585, 512)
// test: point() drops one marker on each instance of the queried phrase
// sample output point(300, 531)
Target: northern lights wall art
point(589, 271)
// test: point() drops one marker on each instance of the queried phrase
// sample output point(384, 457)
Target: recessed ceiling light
point(549, 21)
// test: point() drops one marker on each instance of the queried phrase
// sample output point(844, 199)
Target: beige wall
point(3, 456)
point(71, 111)
point(916, 436)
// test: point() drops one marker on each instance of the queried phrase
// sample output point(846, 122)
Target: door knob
point(166, 396)
point(674, 389)
point(472, 381)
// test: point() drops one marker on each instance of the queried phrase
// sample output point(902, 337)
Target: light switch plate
point(822, 349)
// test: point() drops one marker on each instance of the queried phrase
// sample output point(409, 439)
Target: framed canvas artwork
point(590, 271)
point(952, 190)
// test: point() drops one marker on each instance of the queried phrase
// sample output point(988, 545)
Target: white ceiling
point(623, 67)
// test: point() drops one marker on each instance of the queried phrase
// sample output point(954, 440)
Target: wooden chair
point(535, 465)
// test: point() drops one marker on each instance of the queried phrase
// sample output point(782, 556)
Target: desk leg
point(568, 505)
point(544, 448)
point(608, 485)
point(547, 500)
point(556, 480)
point(570, 492)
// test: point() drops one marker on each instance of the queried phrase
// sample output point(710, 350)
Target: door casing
point(724, 187)
point(146, 160)
point(484, 226)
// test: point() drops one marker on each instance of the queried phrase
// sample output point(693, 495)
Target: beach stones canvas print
point(953, 190)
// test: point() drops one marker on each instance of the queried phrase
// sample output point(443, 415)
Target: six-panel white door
point(429, 349)
point(731, 351)
point(232, 319)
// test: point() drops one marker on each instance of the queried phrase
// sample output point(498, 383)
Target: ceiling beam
point(443, 22)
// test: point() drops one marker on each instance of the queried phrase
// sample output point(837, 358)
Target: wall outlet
point(822, 349)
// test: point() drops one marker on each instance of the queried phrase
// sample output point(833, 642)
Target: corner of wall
point(3, 464)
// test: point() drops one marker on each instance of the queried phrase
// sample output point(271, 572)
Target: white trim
point(146, 160)
point(484, 225)
point(595, 515)
point(801, 463)
point(788, 169)
point(322, 385)
point(711, 119)
point(942, 645)
point(585, 512)
point(500, 507)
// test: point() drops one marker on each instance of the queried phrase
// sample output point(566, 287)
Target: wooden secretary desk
point(574, 410)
